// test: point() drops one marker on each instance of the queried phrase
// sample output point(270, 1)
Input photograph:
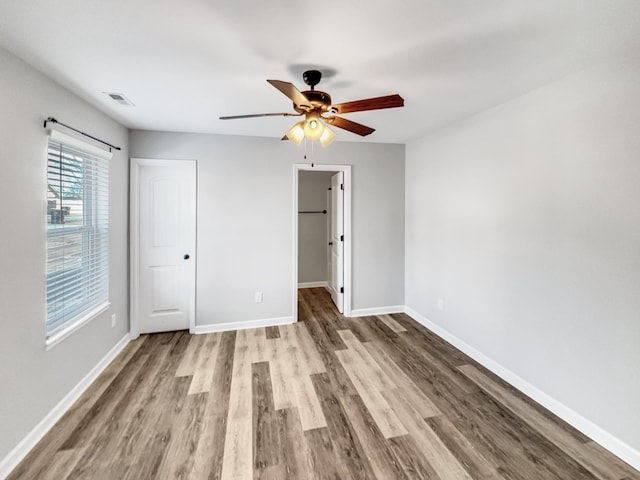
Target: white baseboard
point(365, 312)
point(21, 450)
point(313, 284)
point(596, 433)
point(225, 327)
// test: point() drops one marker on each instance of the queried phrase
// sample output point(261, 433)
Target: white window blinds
point(77, 231)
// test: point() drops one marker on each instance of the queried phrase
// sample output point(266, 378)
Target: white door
point(166, 245)
point(336, 279)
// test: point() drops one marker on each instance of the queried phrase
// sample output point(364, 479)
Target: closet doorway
point(322, 232)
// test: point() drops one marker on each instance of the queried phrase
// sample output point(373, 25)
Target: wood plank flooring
point(329, 397)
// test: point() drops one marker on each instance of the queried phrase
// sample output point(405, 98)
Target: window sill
point(58, 337)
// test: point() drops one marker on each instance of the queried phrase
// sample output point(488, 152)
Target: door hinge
point(342, 238)
point(342, 186)
point(341, 289)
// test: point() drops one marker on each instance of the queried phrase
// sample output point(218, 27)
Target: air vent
point(120, 98)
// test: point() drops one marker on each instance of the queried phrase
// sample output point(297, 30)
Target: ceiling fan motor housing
point(319, 101)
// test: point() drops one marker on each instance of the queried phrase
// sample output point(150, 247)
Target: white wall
point(33, 380)
point(313, 227)
point(525, 220)
point(245, 220)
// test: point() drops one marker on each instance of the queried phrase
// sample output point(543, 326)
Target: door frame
point(134, 239)
point(346, 169)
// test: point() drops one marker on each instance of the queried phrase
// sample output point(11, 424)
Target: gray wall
point(525, 219)
point(245, 220)
point(313, 227)
point(33, 380)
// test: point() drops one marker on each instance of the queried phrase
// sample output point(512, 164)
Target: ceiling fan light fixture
point(296, 134)
point(327, 137)
point(313, 127)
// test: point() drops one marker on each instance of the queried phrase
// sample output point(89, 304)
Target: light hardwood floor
point(329, 397)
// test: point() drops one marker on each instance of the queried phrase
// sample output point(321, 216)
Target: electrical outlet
point(440, 304)
point(258, 297)
point(113, 320)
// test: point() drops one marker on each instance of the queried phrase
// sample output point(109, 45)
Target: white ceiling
point(184, 63)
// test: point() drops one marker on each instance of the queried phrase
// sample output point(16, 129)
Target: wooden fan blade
point(389, 101)
point(234, 117)
point(354, 127)
point(290, 90)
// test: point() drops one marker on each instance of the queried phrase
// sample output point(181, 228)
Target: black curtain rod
point(53, 120)
point(316, 211)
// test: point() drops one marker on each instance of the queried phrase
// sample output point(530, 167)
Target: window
point(77, 233)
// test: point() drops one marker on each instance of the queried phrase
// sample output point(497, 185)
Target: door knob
point(330, 243)
point(186, 256)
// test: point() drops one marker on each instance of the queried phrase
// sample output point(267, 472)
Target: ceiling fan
point(317, 109)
